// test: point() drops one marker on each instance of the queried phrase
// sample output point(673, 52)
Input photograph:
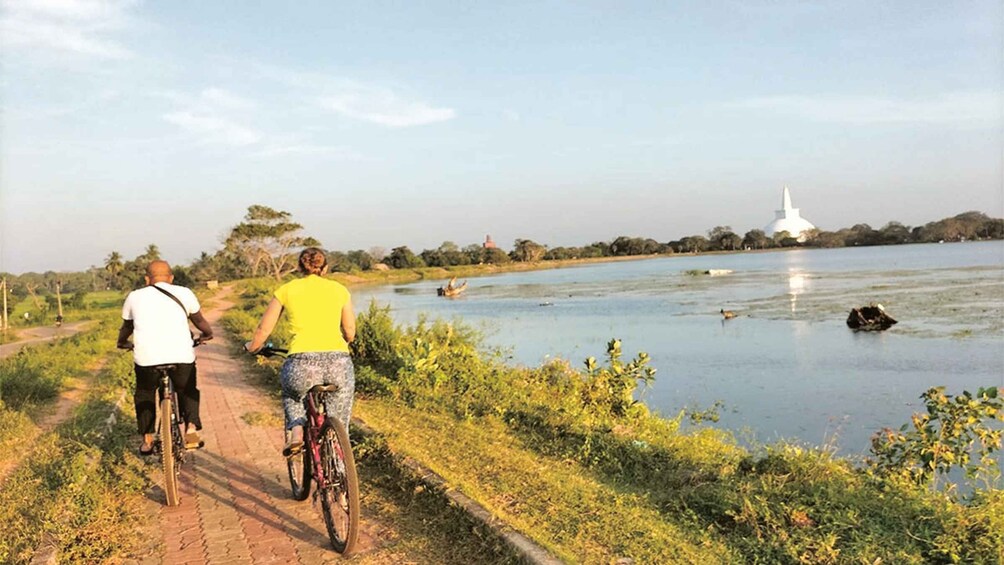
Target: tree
point(723, 238)
point(784, 239)
point(821, 238)
point(495, 256)
point(403, 258)
point(339, 262)
point(266, 239)
point(756, 239)
point(693, 244)
point(894, 233)
point(527, 251)
point(361, 259)
point(113, 269)
point(475, 253)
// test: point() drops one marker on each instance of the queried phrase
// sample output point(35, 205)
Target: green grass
point(573, 512)
point(77, 487)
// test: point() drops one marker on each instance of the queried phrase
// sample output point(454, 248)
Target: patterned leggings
point(301, 371)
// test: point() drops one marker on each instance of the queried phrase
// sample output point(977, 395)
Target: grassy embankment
point(77, 486)
point(565, 456)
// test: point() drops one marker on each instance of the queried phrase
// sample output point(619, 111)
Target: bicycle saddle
point(324, 388)
point(166, 367)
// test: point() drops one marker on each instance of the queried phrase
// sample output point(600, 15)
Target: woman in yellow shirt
point(323, 324)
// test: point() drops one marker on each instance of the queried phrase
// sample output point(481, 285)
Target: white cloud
point(214, 129)
point(83, 27)
point(384, 107)
point(214, 116)
point(972, 108)
point(225, 99)
point(360, 101)
point(331, 151)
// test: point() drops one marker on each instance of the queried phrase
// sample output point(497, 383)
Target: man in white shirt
point(157, 317)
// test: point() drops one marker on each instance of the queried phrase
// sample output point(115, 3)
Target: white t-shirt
point(160, 329)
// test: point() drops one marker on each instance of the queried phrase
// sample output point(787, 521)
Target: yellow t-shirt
point(314, 306)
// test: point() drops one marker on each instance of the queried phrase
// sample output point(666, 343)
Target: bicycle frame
point(316, 415)
point(166, 387)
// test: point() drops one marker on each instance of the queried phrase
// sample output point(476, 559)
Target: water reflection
point(796, 285)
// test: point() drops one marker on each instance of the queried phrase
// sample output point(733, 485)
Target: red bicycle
point(327, 458)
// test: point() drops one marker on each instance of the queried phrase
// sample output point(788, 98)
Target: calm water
point(787, 367)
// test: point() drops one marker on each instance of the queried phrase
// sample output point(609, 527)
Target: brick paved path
point(235, 500)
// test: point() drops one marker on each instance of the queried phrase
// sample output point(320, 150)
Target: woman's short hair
point(313, 261)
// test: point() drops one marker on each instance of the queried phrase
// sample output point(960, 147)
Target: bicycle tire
point(167, 448)
point(299, 473)
point(341, 516)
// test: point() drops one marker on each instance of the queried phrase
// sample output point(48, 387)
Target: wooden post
point(59, 303)
point(3, 317)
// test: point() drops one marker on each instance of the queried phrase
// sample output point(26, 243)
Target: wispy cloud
point(214, 116)
point(225, 99)
point(382, 106)
point(330, 151)
point(365, 101)
point(966, 108)
point(83, 27)
point(214, 129)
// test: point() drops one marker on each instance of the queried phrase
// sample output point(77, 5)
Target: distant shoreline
point(400, 276)
point(397, 276)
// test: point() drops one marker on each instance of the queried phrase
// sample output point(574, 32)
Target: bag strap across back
point(174, 298)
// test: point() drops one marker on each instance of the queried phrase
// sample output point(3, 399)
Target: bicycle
point(169, 435)
point(326, 457)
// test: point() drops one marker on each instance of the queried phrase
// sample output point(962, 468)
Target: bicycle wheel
point(299, 473)
point(340, 491)
point(167, 448)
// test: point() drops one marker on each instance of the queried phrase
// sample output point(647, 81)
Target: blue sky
point(385, 124)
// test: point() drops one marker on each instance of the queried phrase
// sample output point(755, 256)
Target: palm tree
point(113, 266)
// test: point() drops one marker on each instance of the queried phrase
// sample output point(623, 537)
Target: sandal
point(193, 441)
point(293, 448)
point(146, 453)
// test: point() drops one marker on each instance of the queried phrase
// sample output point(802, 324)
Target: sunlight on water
point(787, 366)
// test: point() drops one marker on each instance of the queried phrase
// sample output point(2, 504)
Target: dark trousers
point(147, 379)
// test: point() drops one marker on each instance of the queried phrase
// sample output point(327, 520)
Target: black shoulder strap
point(174, 298)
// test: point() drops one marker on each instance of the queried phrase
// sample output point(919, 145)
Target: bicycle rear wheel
point(299, 473)
point(340, 492)
point(167, 448)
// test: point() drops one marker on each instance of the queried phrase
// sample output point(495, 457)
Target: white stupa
point(788, 219)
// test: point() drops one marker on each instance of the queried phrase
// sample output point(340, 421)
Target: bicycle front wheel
point(167, 448)
point(339, 487)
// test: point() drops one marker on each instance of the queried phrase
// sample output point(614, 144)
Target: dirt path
point(40, 334)
point(48, 417)
point(235, 502)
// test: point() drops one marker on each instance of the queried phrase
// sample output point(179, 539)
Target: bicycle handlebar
point(270, 351)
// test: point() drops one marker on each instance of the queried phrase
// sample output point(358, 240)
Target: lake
point(786, 367)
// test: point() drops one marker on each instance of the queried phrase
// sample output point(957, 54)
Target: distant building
point(788, 219)
point(488, 244)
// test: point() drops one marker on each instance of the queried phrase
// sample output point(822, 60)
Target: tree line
point(266, 243)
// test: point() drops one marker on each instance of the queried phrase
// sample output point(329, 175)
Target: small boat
point(871, 318)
